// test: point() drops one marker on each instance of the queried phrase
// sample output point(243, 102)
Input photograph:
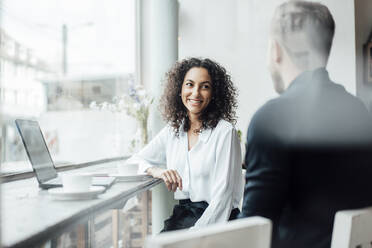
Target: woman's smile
point(195, 102)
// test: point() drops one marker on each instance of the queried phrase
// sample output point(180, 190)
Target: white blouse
point(211, 171)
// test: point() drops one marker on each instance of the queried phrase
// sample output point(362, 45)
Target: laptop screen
point(36, 149)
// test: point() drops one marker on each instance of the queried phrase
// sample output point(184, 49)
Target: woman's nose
point(195, 91)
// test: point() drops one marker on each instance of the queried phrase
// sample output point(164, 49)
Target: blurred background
point(57, 57)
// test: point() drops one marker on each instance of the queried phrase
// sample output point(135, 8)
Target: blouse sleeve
point(224, 178)
point(153, 154)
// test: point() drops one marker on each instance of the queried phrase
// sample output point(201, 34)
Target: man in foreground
point(309, 150)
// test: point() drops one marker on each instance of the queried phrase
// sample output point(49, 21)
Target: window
point(56, 58)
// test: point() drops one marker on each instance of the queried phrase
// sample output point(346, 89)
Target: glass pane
point(57, 57)
point(123, 228)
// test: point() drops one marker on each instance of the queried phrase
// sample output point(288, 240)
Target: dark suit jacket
point(308, 156)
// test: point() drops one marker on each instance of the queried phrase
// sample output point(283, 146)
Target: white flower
point(112, 108)
point(136, 106)
point(138, 87)
point(104, 106)
point(141, 92)
point(146, 102)
point(121, 104)
point(93, 105)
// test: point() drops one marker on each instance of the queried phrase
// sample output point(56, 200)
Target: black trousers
point(187, 213)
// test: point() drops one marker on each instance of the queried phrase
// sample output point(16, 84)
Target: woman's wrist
point(155, 172)
point(171, 178)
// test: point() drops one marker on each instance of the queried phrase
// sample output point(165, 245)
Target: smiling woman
point(199, 146)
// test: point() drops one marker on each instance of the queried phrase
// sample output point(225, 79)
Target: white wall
point(341, 63)
point(235, 33)
point(363, 27)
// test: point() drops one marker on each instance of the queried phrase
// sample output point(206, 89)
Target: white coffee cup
point(128, 169)
point(76, 182)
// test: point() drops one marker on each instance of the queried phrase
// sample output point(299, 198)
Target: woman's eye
point(206, 87)
point(188, 84)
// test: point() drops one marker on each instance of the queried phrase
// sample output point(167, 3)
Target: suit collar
point(308, 77)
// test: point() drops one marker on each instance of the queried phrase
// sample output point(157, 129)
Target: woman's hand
point(171, 178)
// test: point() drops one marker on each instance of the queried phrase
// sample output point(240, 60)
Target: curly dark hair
point(222, 105)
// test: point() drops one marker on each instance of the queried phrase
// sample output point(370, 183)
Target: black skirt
point(187, 213)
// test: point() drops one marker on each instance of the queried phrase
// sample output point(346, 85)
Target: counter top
point(30, 215)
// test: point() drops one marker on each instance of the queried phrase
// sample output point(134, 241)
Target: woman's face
point(196, 90)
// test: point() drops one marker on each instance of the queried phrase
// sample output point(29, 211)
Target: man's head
point(301, 37)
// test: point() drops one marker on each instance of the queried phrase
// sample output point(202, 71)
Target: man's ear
point(277, 51)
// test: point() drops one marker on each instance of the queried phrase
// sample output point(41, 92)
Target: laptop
point(41, 161)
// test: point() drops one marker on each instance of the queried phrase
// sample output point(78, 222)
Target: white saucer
point(60, 194)
point(131, 178)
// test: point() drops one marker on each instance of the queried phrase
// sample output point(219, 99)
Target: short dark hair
point(304, 28)
point(221, 106)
